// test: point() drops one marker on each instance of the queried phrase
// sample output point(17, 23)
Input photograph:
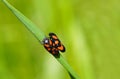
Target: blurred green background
point(90, 30)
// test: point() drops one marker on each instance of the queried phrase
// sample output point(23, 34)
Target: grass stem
point(40, 36)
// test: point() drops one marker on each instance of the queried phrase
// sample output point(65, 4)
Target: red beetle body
point(53, 45)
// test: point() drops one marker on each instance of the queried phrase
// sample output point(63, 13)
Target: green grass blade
point(40, 36)
point(71, 72)
point(29, 25)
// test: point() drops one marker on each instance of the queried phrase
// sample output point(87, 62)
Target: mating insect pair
point(53, 45)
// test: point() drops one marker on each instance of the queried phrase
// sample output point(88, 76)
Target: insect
point(53, 45)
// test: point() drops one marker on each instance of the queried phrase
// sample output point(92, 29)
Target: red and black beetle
point(53, 45)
